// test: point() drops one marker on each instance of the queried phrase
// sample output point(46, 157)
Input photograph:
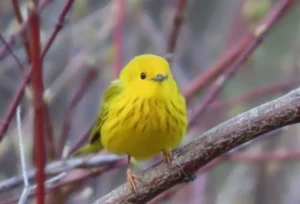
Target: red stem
point(117, 37)
point(58, 26)
point(38, 105)
point(177, 23)
point(23, 26)
point(20, 91)
point(215, 70)
point(256, 93)
point(85, 84)
point(24, 36)
point(255, 40)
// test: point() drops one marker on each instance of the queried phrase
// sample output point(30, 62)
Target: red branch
point(255, 39)
point(177, 23)
point(58, 26)
point(117, 37)
point(256, 93)
point(24, 36)
point(20, 91)
point(38, 105)
point(23, 26)
point(85, 84)
point(220, 66)
point(215, 70)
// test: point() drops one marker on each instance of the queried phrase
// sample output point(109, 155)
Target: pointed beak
point(160, 77)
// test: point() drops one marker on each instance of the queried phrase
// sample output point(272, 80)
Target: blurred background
point(100, 36)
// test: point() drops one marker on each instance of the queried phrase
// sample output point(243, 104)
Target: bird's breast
point(142, 121)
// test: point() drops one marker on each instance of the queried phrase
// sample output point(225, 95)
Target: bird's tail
point(89, 148)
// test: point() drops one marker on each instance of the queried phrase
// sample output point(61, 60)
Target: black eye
point(143, 75)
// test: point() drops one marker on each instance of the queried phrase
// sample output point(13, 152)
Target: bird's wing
point(114, 89)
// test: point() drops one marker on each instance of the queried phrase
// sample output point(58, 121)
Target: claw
point(167, 157)
point(131, 179)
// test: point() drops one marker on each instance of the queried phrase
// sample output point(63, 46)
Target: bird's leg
point(167, 157)
point(130, 176)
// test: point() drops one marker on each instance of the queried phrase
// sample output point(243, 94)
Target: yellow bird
point(142, 114)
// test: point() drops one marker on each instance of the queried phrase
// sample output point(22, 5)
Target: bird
point(142, 114)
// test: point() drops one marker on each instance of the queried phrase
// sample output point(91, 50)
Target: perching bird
point(142, 114)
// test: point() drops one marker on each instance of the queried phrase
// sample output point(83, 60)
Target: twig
point(215, 70)
point(12, 53)
point(85, 84)
point(58, 26)
point(178, 19)
point(215, 142)
point(38, 104)
point(24, 36)
point(23, 26)
point(117, 36)
point(220, 66)
point(79, 178)
point(22, 157)
point(20, 91)
point(257, 36)
point(63, 166)
point(80, 142)
point(31, 190)
point(256, 93)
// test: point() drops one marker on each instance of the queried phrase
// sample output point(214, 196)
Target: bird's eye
point(143, 75)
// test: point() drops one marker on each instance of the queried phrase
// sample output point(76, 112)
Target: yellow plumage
point(143, 112)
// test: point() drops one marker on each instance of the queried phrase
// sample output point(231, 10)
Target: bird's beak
point(160, 77)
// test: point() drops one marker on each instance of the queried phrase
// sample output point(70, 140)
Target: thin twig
point(23, 26)
point(58, 26)
point(117, 36)
point(79, 178)
point(22, 157)
point(259, 33)
point(20, 91)
point(82, 89)
point(63, 166)
point(256, 93)
point(24, 35)
point(230, 56)
point(211, 73)
point(178, 19)
point(12, 53)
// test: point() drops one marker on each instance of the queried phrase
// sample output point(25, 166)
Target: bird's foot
point(167, 155)
point(131, 179)
point(168, 159)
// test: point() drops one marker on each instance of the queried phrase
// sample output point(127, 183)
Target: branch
point(255, 39)
point(23, 26)
point(79, 93)
point(276, 88)
point(24, 36)
point(20, 91)
point(63, 166)
point(177, 23)
point(117, 36)
point(215, 142)
point(12, 53)
point(38, 103)
point(241, 47)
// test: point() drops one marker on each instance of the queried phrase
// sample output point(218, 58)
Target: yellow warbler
point(142, 114)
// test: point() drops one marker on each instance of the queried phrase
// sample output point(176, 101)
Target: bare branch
point(63, 166)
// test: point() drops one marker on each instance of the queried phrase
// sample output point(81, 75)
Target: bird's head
point(148, 75)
